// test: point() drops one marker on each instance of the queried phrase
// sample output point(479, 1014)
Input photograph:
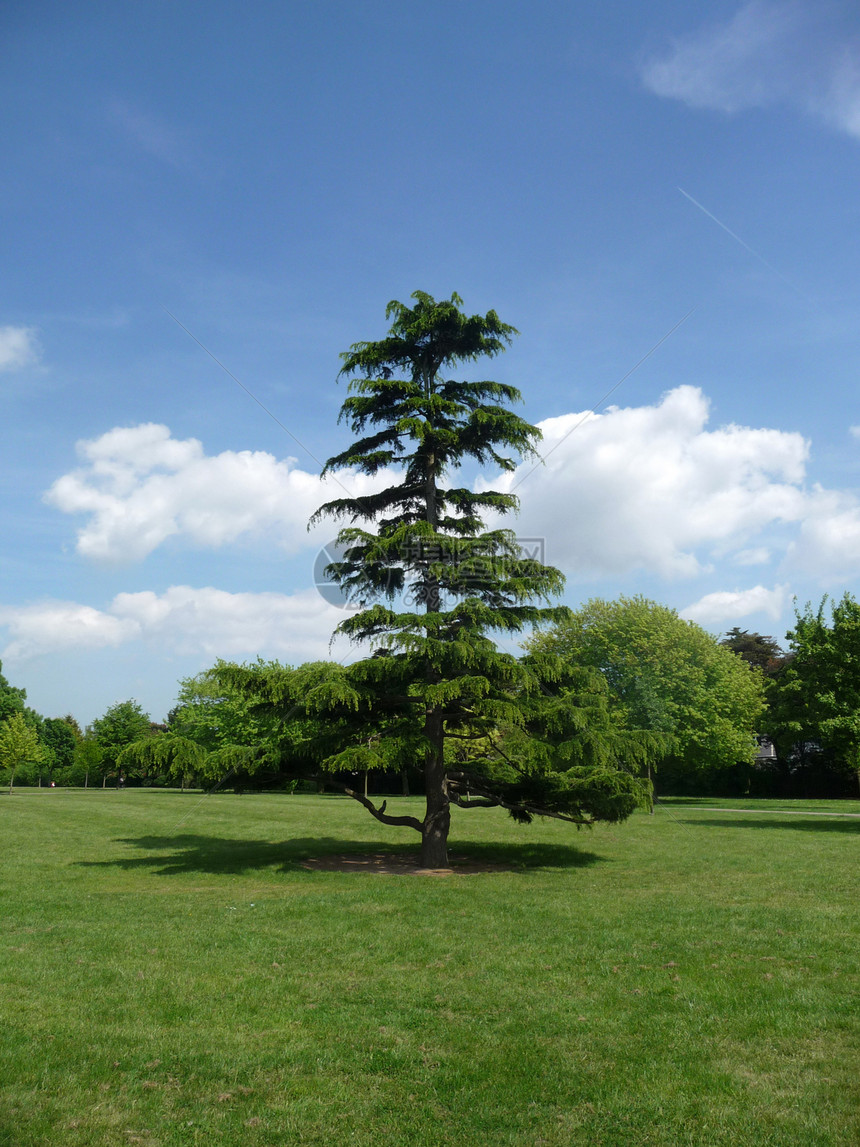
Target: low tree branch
point(481, 802)
point(475, 785)
point(380, 813)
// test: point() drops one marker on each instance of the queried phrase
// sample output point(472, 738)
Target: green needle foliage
point(213, 734)
point(432, 582)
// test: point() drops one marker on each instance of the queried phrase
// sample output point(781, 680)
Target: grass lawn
point(172, 975)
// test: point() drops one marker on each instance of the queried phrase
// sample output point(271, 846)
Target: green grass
point(837, 806)
point(172, 975)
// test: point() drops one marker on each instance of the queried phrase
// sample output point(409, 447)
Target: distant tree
point(758, 651)
point(667, 675)
point(815, 706)
point(59, 741)
point(119, 725)
point(88, 758)
point(19, 745)
point(11, 699)
point(73, 725)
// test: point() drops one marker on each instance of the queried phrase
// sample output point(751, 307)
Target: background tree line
point(631, 664)
point(37, 750)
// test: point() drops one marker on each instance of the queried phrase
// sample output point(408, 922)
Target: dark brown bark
point(437, 818)
point(381, 815)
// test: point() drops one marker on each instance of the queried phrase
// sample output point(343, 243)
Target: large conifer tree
point(432, 582)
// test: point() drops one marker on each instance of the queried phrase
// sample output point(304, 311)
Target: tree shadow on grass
point(797, 823)
point(175, 855)
point(522, 856)
point(188, 852)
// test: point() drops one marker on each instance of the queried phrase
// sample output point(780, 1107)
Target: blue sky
point(272, 174)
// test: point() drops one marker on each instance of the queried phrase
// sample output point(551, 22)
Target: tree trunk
point(437, 819)
point(404, 781)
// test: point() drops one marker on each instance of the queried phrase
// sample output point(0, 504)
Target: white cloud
point(182, 620)
point(789, 53)
point(757, 556)
point(59, 625)
point(838, 102)
point(650, 488)
point(828, 543)
point(18, 347)
point(140, 486)
point(715, 608)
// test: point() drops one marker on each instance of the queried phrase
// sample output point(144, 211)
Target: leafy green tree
point(88, 758)
point(212, 732)
point(119, 725)
point(19, 745)
point(815, 706)
point(59, 741)
point(11, 699)
point(213, 715)
point(667, 675)
point(440, 677)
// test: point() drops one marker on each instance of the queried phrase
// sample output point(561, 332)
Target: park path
point(774, 811)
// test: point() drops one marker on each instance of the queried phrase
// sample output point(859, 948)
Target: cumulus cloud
point(828, 542)
point(716, 608)
point(767, 53)
point(756, 556)
point(182, 620)
point(18, 347)
point(650, 488)
point(140, 486)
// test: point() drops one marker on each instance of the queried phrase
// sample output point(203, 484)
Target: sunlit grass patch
point(173, 974)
